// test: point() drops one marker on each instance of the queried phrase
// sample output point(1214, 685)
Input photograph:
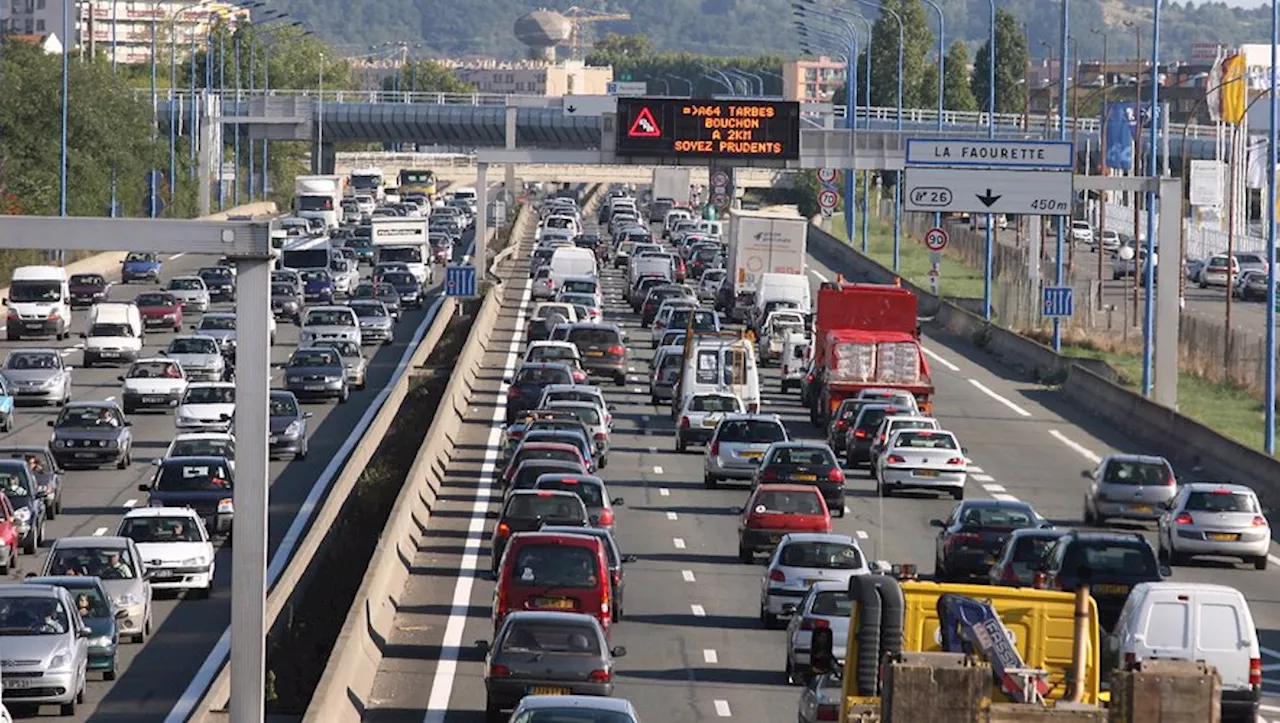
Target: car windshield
point(399, 278)
point(88, 418)
point(989, 516)
point(281, 289)
point(213, 322)
point(370, 311)
point(152, 299)
point(31, 360)
point(403, 254)
point(33, 616)
point(89, 601)
point(186, 284)
point(1111, 557)
point(591, 494)
point(925, 439)
point(108, 563)
point(833, 603)
point(594, 337)
point(551, 637)
point(210, 395)
point(545, 506)
point(714, 403)
point(35, 291)
point(87, 280)
point(587, 300)
point(282, 406)
point(560, 455)
point(787, 503)
point(1133, 472)
point(14, 486)
point(192, 477)
point(314, 358)
point(1221, 501)
point(813, 456)
point(346, 349)
point(140, 258)
point(823, 555)
point(213, 447)
point(155, 370)
point(552, 352)
point(160, 529)
point(193, 346)
point(315, 276)
point(544, 375)
point(751, 431)
point(329, 317)
point(587, 414)
point(215, 272)
point(1032, 549)
point(110, 330)
point(555, 566)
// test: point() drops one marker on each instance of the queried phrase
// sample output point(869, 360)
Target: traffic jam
point(743, 344)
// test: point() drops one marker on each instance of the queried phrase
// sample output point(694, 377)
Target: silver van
point(46, 646)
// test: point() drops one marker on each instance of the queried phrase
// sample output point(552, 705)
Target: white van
point(652, 265)
point(711, 228)
point(39, 303)
point(778, 292)
point(797, 350)
point(570, 261)
point(720, 365)
point(466, 195)
point(112, 333)
point(1197, 622)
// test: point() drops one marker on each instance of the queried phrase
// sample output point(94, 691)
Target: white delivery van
point(778, 292)
point(711, 228)
point(720, 365)
point(466, 195)
point(1197, 622)
point(797, 349)
point(112, 333)
point(570, 261)
point(651, 265)
point(39, 303)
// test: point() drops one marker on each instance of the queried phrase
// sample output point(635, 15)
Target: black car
point(525, 388)
point(204, 484)
point(973, 534)
point(286, 302)
point(221, 282)
point(381, 290)
point(805, 463)
point(288, 425)
point(1110, 563)
point(408, 291)
point(87, 289)
point(529, 510)
point(91, 434)
point(602, 348)
point(29, 510)
point(531, 469)
point(862, 430)
point(41, 462)
point(316, 373)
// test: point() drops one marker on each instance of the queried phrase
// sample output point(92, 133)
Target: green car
point(98, 614)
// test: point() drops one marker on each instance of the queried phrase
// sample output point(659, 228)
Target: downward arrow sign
point(988, 200)
point(572, 108)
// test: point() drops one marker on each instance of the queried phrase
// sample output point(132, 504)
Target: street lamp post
point(850, 120)
point(222, 110)
point(1149, 279)
point(114, 51)
point(1269, 432)
point(682, 79)
point(235, 153)
point(62, 174)
point(897, 185)
point(153, 212)
point(991, 133)
point(666, 85)
point(942, 72)
point(1062, 135)
point(1102, 136)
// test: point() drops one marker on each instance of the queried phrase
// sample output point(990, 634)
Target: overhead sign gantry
point(718, 129)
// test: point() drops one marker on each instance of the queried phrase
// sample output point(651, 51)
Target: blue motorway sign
point(460, 281)
point(1059, 302)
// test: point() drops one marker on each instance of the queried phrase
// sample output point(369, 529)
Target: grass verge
point(957, 279)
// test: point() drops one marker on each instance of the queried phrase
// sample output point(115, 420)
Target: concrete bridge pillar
point(324, 158)
point(509, 180)
point(480, 258)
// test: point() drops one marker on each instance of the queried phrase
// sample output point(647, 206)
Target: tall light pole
point(991, 133)
point(222, 110)
point(942, 76)
point(1062, 136)
point(114, 51)
point(1269, 433)
point(897, 184)
point(67, 40)
point(850, 115)
point(173, 98)
point(235, 153)
point(1149, 271)
point(1102, 137)
point(682, 79)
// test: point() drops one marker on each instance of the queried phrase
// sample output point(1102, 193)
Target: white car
point(204, 444)
point(207, 406)
point(663, 317)
point(1081, 232)
point(155, 383)
point(577, 393)
point(190, 291)
point(1110, 240)
point(175, 547)
point(329, 323)
point(922, 459)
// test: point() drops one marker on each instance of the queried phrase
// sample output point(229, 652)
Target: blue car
point(317, 287)
point(6, 407)
point(363, 248)
point(140, 266)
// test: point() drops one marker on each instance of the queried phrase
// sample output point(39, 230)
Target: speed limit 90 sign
point(936, 239)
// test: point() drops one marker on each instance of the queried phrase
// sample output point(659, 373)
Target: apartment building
point(570, 77)
point(813, 80)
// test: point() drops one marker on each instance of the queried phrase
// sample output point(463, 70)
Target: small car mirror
point(618, 501)
point(482, 645)
point(630, 559)
point(84, 632)
point(127, 423)
point(1086, 474)
point(618, 651)
point(789, 609)
point(145, 487)
point(938, 524)
point(1166, 571)
point(50, 422)
point(29, 575)
point(195, 327)
point(308, 415)
point(156, 462)
point(121, 377)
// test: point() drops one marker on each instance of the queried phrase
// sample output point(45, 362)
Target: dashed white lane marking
point(638, 390)
point(938, 358)
point(994, 488)
point(722, 709)
point(631, 369)
point(982, 478)
point(818, 276)
point(847, 511)
point(987, 390)
point(111, 399)
point(653, 450)
point(1273, 559)
point(1004, 497)
point(1080, 448)
point(678, 542)
point(664, 492)
point(688, 576)
point(975, 468)
point(698, 611)
point(129, 503)
point(671, 516)
point(100, 532)
point(709, 656)
point(175, 257)
point(862, 534)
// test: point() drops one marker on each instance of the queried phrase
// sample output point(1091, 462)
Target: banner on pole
point(1206, 183)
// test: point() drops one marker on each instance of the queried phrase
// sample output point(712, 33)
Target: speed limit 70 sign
point(827, 198)
point(936, 239)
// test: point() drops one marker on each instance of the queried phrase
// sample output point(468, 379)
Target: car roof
point(586, 702)
point(203, 435)
point(154, 360)
point(1108, 536)
point(994, 504)
point(193, 459)
point(751, 417)
point(576, 538)
point(24, 589)
point(802, 444)
point(547, 445)
point(550, 342)
point(544, 365)
point(218, 315)
point(90, 405)
point(818, 537)
point(1143, 458)
point(1211, 486)
point(191, 336)
point(581, 478)
point(787, 488)
point(549, 616)
point(161, 512)
point(86, 541)
point(223, 385)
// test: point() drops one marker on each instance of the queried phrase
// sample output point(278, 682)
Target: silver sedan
point(922, 459)
point(38, 375)
point(1214, 520)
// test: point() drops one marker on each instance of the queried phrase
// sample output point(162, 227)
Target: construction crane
point(580, 16)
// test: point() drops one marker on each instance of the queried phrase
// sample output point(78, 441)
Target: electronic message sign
point(703, 128)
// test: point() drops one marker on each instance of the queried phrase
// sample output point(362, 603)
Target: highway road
point(696, 650)
point(152, 676)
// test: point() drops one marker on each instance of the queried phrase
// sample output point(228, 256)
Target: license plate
point(153, 400)
point(926, 473)
point(1223, 537)
point(35, 325)
point(542, 690)
point(558, 603)
point(1111, 589)
point(162, 573)
point(16, 683)
point(85, 455)
point(804, 478)
point(1140, 508)
point(314, 387)
point(751, 455)
point(709, 422)
point(595, 353)
point(108, 354)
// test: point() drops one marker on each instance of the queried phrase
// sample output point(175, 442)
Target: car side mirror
point(938, 524)
point(1166, 571)
point(121, 377)
point(789, 609)
point(29, 575)
point(628, 559)
point(144, 488)
point(482, 646)
point(195, 327)
point(83, 632)
point(1086, 474)
point(128, 423)
point(50, 422)
point(618, 651)
point(308, 415)
point(618, 501)
point(68, 369)
point(122, 614)
point(508, 381)
point(84, 335)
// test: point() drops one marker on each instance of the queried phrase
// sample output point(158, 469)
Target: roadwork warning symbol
point(645, 126)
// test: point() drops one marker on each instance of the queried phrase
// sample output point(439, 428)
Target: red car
point(543, 450)
point(775, 510)
point(8, 536)
point(160, 309)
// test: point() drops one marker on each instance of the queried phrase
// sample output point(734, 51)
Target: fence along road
point(695, 646)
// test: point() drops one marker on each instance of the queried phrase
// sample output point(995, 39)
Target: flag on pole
point(1234, 95)
point(1213, 94)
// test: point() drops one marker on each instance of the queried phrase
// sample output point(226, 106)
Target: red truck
point(866, 337)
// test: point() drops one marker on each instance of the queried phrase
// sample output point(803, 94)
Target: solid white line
point(982, 478)
point(175, 257)
point(129, 503)
point(1083, 450)
point(688, 576)
point(1264, 706)
point(1004, 497)
point(818, 276)
point(985, 390)
point(671, 516)
point(709, 656)
point(100, 532)
point(994, 488)
point(664, 492)
point(653, 450)
point(638, 390)
point(722, 709)
point(698, 611)
point(862, 534)
point(679, 543)
point(657, 469)
point(936, 357)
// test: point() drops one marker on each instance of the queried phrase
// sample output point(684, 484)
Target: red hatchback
point(554, 571)
point(8, 536)
point(159, 310)
point(542, 450)
point(775, 510)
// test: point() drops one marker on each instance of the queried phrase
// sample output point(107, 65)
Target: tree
point(615, 47)
point(957, 94)
point(426, 76)
point(917, 39)
point(1011, 66)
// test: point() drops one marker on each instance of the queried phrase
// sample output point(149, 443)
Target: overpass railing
point(973, 119)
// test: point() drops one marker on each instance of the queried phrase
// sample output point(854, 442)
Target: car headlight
point(294, 429)
point(293, 380)
point(22, 514)
point(50, 382)
point(127, 600)
point(332, 380)
point(225, 506)
point(60, 443)
point(102, 641)
point(183, 419)
point(111, 443)
point(198, 561)
point(59, 661)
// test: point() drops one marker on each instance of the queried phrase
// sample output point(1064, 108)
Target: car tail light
point(962, 538)
point(860, 433)
point(956, 461)
point(814, 624)
point(1040, 581)
point(835, 475)
point(1130, 660)
point(769, 475)
point(715, 448)
point(600, 676)
point(684, 422)
point(777, 576)
point(895, 459)
point(499, 671)
point(1259, 521)
point(842, 424)
point(601, 436)
point(1007, 574)
point(808, 378)
point(503, 530)
point(1183, 519)
point(616, 350)
point(828, 712)
point(1255, 671)
point(606, 518)
point(513, 392)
